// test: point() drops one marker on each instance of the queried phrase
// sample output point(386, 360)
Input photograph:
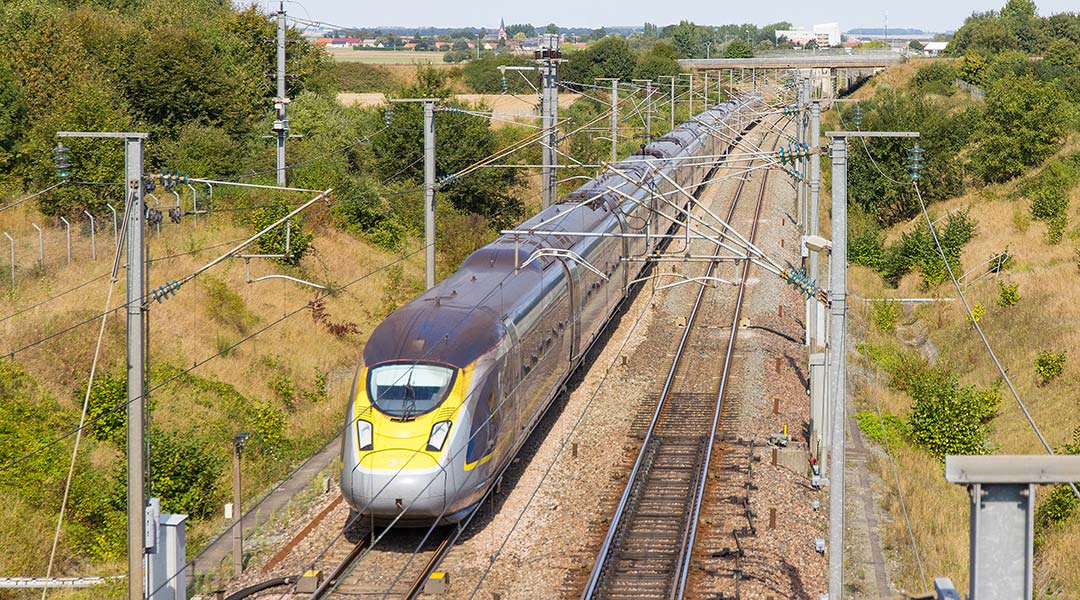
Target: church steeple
point(502, 30)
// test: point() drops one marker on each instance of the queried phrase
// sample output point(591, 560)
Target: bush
point(896, 429)
point(902, 366)
point(1008, 294)
point(483, 77)
point(1049, 365)
point(936, 78)
point(226, 306)
point(107, 409)
point(948, 418)
point(1062, 502)
point(977, 313)
point(274, 241)
point(184, 473)
point(917, 249)
point(885, 314)
point(1055, 229)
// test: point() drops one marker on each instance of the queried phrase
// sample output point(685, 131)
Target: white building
point(825, 34)
point(935, 48)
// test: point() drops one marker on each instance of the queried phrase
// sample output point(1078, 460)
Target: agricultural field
point(386, 57)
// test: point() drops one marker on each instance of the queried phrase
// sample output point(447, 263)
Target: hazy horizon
point(927, 15)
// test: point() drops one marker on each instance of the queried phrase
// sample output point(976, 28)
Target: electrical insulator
point(915, 166)
point(61, 162)
point(858, 116)
point(388, 115)
point(505, 86)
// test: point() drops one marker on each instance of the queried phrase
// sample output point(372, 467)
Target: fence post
point(93, 237)
point(41, 246)
point(68, 225)
point(12, 240)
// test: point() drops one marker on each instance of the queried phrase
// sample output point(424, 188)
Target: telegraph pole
point(548, 56)
point(281, 123)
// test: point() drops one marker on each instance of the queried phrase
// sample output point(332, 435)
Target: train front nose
point(388, 483)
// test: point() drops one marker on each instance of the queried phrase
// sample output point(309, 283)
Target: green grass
point(392, 58)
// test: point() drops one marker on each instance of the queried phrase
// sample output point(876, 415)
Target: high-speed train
point(451, 384)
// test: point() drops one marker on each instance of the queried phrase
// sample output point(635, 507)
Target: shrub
point(1049, 365)
point(896, 429)
point(226, 306)
point(274, 241)
point(977, 312)
point(184, 473)
point(885, 314)
point(948, 418)
point(1061, 503)
point(106, 411)
point(1055, 229)
point(936, 78)
point(903, 366)
point(916, 249)
point(1008, 294)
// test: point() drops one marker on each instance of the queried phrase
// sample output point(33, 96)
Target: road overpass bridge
point(803, 60)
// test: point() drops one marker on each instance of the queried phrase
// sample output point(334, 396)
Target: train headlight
point(363, 435)
point(439, 431)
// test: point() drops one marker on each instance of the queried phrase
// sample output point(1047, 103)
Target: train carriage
point(451, 384)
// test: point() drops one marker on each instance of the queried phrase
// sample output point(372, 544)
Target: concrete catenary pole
point(549, 101)
point(281, 124)
point(838, 387)
point(136, 367)
point(429, 194)
point(672, 104)
point(815, 188)
point(614, 120)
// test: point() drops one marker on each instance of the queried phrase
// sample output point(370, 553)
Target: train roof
point(461, 318)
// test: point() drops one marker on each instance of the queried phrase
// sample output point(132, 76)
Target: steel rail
point(684, 566)
point(605, 552)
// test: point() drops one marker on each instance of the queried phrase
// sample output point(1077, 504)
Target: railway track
point(647, 550)
point(398, 570)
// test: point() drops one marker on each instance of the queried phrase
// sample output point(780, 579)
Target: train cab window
point(406, 390)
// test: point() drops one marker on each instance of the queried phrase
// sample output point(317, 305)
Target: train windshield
point(406, 390)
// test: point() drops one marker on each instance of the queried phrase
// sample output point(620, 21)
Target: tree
point(1063, 53)
point(658, 62)
point(738, 49)
point(973, 69)
point(650, 31)
point(528, 30)
point(461, 140)
point(552, 28)
point(916, 45)
point(1025, 121)
point(597, 34)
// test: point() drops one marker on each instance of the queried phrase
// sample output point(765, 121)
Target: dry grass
point(1044, 319)
point(184, 331)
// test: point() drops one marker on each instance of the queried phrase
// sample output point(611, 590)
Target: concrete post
point(838, 387)
point(814, 220)
point(136, 366)
point(41, 246)
point(238, 508)
point(429, 194)
point(614, 119)
point(282, 123)
point(549, 102)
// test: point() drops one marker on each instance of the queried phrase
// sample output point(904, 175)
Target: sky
point(930, 15)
